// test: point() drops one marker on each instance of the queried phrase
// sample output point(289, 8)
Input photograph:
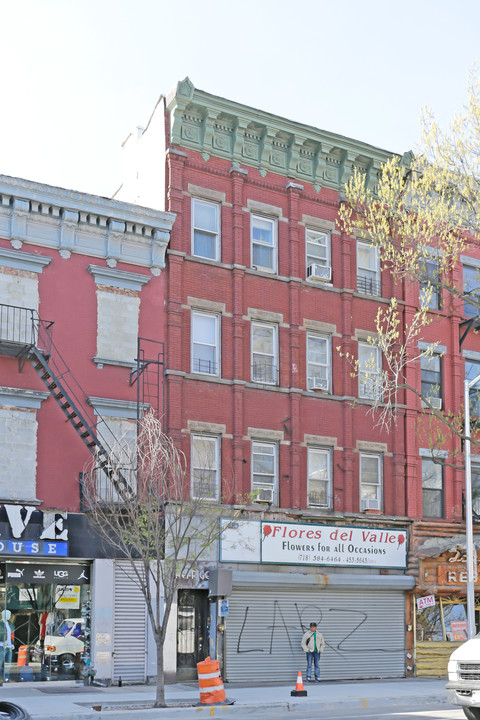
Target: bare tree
point(144, 508)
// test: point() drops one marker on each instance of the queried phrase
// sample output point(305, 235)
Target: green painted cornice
point(222, 128)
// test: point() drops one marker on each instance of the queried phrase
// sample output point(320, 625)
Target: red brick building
point(78, 274)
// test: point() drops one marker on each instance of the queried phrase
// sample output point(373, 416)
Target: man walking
point(313, 644)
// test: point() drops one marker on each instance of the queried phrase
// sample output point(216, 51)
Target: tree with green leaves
point(423, 214)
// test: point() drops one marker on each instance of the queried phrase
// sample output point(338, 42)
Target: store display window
point(45, 621)
point(445, 621)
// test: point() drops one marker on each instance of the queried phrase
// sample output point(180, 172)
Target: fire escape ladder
point(148, 376)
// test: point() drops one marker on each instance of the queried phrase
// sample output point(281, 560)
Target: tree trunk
point(160, 695)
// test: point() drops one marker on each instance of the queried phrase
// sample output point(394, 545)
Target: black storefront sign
point(31, 533)
point(42, 573)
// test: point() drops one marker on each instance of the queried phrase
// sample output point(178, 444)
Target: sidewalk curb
point(226, 710)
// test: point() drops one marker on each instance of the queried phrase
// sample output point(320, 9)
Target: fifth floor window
point(264, 243)
point(368, 269)
point(205, 229)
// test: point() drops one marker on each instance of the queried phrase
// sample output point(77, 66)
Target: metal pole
point(471, 555)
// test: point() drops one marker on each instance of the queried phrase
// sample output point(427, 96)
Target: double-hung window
point(264, 243)
point(368, 269)
point(319, 471)
point(264, 353)
point(205, 229)
point(205, 343)
point(369, 372)
point(471, 287)
point(264, 470)
point(430, 291)
point(432, 488)
point(472, 370)
point(318, 362)
point(431, 377)
point(370, 481)
point(205, 467)
point(318, 255)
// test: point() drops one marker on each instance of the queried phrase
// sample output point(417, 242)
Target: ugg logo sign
point(53, 528)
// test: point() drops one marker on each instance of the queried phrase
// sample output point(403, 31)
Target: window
point(264, 243)
point(369, 374)
point(264, 353)
point(318, 255)
point(264, 470)
point(370, 481)
point(319, 464)
point(368, 269)
point(431, 376)
point(429, 272)
point(205, 466)
point(432, 488)
point(205, 229)
point(205, 343)
point(318, 362)
point(476, 486)
point(472, 370)
point(471, 286)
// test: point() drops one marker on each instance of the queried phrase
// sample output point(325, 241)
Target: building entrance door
point(192, 632)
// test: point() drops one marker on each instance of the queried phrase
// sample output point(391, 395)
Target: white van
point(61, 647)
point(463, 687)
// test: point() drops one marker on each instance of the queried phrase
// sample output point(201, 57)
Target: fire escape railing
point(24, 335)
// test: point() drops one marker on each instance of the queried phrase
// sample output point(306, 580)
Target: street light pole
point(471, 555)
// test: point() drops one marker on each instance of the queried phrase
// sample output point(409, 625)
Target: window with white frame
point(205, 229)
point(205, 467)
point(205, 343)
point(370, 481)
point(432, 488)
point(319, 360)
point(318, 255)
point(431, 378)
point(264, 242)
point(471, 287)
point(472, 370)
point(429, 284)
point(264, 470)
point(369, 371)
point(368, 269)
point(264, 353)
point(319, 485)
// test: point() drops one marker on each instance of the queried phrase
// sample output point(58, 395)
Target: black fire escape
point(25, 336)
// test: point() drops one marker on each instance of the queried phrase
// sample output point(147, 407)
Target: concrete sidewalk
point(62, 700)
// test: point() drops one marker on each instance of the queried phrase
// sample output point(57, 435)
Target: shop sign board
point(424, 602)
point(308, 544)
point(41, 574)
point(25, 530)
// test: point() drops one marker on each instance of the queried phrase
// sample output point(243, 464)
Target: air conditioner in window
point(319, 273)
point(265, 495)
point(319, 383)
point(370, 504)
point(435, 402)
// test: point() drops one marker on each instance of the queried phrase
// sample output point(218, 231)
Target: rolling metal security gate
point(129, 624)
point(364, 632)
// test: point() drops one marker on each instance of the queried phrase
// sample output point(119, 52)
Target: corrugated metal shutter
point(364, 631)
point(129, 624)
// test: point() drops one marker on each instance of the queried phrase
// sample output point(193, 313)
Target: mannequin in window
point(7, 643)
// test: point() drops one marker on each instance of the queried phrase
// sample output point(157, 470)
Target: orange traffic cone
point(299, 691)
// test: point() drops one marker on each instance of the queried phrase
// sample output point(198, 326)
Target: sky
point(79, 75)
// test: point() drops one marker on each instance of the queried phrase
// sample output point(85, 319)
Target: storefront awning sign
point(308, 544)
point(424, 602)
